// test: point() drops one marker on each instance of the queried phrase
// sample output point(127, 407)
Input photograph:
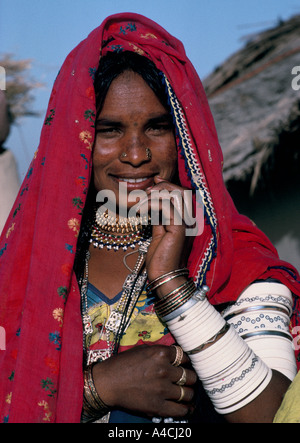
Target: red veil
point(41, 368)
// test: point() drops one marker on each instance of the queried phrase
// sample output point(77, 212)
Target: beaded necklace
point(119, 232)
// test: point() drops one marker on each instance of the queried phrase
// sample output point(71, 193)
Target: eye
point(104, 130)
point(107, 131)
point(159, 128)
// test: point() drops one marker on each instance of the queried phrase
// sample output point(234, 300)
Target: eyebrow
point(109, 121)
point(164, 118)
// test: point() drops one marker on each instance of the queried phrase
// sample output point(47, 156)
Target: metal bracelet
point(199, 295)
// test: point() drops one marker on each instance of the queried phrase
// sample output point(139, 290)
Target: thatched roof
point(254, 105)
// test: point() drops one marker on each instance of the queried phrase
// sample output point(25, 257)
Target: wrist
point(103, 388)
point(170, 286)
point(94, 407)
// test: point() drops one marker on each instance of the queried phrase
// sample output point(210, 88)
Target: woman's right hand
point(143, 379)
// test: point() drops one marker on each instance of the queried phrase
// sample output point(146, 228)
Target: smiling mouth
point(133, 180)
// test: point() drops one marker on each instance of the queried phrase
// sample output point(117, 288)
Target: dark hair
point(115, 63)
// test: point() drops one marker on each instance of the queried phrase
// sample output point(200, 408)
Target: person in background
point(4, 122)
point(9, 178)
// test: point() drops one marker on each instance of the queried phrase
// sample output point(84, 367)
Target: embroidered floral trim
point(48, 413)
point(58, 315)
point(87, 138)
point(74, 224)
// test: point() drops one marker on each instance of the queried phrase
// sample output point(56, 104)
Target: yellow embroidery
point(10, 230)
point(74, 225)
point(137, 49)
point(48, 414)
point(8, 398)
point(149, 35)
point(58, 314)
point(87, 139)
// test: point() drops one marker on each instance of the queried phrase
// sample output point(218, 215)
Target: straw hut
point(9, 180)
point(255, 100)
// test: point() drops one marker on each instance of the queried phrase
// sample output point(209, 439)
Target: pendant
point(87, 322)
point(113, 322)
point(97, 355)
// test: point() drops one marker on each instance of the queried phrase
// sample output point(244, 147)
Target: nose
point(136, 152)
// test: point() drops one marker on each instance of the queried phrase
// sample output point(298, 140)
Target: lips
point(133, 180)
point(136, 182)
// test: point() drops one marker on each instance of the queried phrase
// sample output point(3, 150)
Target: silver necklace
point(120, 317)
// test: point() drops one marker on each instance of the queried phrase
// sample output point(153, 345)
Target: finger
point(178, 356)
point(168, 206)
point(180, 403)
point(161, 183)
point(183, 202)
point(159, 179)
point(175, 410)
point(185, 377)
point(184, 394)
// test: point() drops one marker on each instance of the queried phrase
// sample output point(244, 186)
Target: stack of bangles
point(93, 407)
point(231, 374)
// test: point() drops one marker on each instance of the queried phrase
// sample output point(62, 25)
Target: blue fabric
point(124, 417)
point(94, 297)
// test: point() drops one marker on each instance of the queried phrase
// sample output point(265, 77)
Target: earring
point(148, 153)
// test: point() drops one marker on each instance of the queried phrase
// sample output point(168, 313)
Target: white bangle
point(262, 293)
point(230, 373)
point(209, 323)
point(261, 317)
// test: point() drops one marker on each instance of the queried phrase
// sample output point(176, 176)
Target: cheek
point(100, 153)
point(99, 163)
point(103, 155)
point(169, 160)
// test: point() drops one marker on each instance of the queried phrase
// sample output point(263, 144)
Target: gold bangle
point(92, 403)
point(183, 271)
point(175, 299)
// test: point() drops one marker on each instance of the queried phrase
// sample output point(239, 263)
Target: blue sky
point(46, 31)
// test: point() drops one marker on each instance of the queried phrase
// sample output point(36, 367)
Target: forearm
point(240, 383)
point(265, 406)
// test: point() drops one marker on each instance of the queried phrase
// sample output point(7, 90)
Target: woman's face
point(132, 122)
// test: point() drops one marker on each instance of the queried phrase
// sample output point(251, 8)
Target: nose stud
point(148, 154)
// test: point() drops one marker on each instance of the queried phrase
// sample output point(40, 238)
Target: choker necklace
point(119, 232)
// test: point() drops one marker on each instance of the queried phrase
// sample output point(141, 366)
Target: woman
point(99, 144)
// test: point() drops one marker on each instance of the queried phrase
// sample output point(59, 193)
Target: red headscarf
point(41, 368)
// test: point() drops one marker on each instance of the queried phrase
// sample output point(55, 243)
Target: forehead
point(129, 92)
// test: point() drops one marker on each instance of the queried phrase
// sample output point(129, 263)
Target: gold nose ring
point(148, 153)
